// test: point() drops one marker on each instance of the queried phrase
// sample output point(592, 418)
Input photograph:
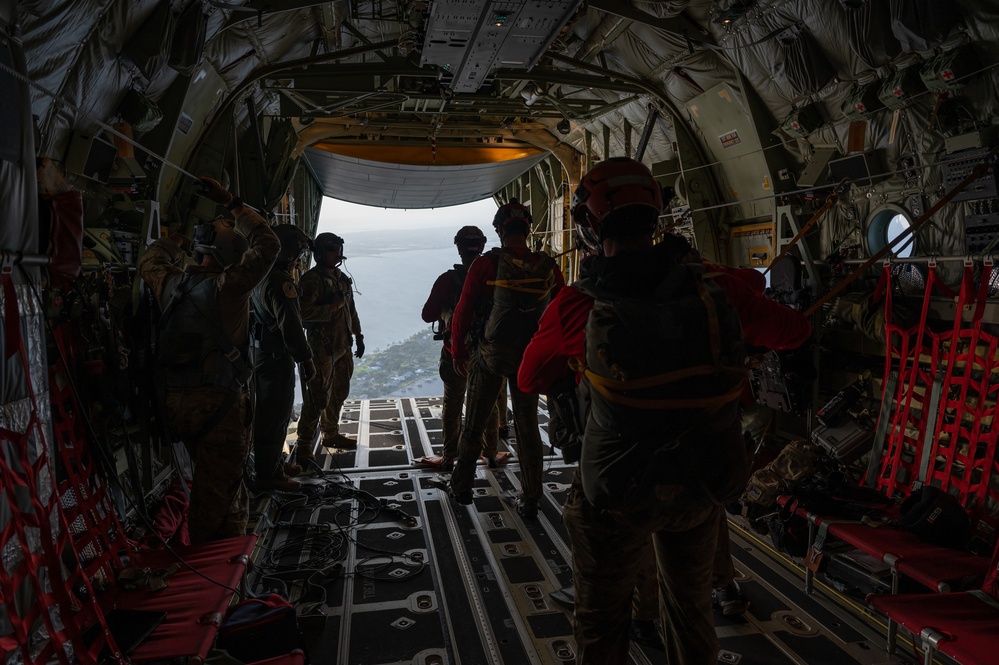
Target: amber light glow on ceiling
point(425, 155)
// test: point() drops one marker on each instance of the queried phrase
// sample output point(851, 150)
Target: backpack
point(442, 328)
point(936, 517)
point(795, 462)
point(260, 628)
point(661, 365)
point(521, 291)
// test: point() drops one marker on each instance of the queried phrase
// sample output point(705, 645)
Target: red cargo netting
point(965, 362)
point(45, 585)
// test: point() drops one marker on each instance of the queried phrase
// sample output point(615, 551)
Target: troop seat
point(939, 569)
point(194, 600)
point(959, 625)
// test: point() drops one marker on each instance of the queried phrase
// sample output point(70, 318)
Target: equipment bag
point(795, 462)
point(521, 291)
point(260, 628)
point(61, 232)
point(936, 517)
point(660, 364)
point(789, 531)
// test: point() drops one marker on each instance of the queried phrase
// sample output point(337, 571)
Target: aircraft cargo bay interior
point(713, 379)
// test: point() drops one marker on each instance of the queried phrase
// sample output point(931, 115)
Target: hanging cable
point(90, 116)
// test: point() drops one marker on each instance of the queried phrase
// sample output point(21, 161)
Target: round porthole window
point(886, 223)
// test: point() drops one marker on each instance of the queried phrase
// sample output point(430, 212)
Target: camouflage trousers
point(219, 503)
point(480, 404)
point(274, 394)
point(325, 394)
point(454, 398)
point(608, 550)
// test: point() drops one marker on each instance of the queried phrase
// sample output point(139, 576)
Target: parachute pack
point(522, 290)
point(658, 365)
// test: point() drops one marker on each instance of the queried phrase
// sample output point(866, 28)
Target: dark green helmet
point(327, 242)
point(294, 242)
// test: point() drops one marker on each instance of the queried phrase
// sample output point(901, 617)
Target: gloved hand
point(360, 346)
point(182, 241)
point(307, 370)
point(51, 181)
point(211, 189)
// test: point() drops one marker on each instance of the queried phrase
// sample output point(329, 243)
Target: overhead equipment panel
point(469, 39)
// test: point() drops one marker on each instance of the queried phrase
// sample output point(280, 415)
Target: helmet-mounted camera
point(219, 240)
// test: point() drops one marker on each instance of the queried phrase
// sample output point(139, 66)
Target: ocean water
point(393, 272)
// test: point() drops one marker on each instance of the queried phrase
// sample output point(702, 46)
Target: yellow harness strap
point(603, 386)
point(520, 285)
point(611, 389)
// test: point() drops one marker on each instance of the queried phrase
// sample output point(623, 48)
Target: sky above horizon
point(342, 217)
point(394, 256)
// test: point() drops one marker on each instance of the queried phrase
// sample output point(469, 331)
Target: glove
point(307, 370)
point(212, 190)
point(182, 241)
point(360, 346)
point(51, 181)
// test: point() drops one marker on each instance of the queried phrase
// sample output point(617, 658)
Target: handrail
point(976, 173)
point(12, 258)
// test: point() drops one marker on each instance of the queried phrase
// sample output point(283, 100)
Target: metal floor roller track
point(406, 576)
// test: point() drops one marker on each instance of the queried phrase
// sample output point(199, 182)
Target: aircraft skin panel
point(385, 185)
point(471, 584)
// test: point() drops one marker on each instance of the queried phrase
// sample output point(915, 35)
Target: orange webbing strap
point(612, 388)
point(600, 384)
point(520, 285)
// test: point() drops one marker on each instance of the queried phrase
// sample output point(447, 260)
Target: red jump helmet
point(514, 211)
point(611, 185)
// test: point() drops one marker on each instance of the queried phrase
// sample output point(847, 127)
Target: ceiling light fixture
point(532, 94)
point(563, 127)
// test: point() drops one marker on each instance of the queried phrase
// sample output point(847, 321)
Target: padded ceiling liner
point(387, 185)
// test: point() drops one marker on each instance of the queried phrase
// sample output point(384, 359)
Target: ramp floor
point(386, 570)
